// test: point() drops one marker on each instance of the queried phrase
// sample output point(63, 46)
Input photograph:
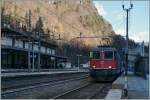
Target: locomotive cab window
point(108, 55)
point(95, 55)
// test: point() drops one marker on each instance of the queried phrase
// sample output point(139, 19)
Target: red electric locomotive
point(105, 63)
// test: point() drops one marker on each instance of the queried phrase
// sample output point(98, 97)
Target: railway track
point(33, 82)
point(101, 93)
point(87, 91)
point(81, 87)
point(51, 83)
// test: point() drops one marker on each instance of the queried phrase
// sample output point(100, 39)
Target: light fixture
point(94, 66)
point(109, 67)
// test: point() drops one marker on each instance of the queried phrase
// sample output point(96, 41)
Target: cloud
point(137, 37)
point(140, 36)
point(121, 32)
point(100, 8)
point(121, 16)
point(118, 14)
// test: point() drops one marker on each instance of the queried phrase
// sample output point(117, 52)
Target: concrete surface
point(14, 74)
point(114, 94)
point(138, 87)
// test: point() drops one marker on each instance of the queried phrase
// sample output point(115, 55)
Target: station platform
point(138, 88)
point(16, 73)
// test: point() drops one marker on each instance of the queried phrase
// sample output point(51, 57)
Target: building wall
point(19, 43)
point(16, 56)
point(13, 59)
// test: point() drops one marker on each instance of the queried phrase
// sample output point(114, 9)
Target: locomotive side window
point(108, 55)
point(95, 55)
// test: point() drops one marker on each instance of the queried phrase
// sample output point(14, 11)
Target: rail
point(94, 93)
point(42, 84)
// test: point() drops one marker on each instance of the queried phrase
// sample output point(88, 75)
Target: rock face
point(68, 18)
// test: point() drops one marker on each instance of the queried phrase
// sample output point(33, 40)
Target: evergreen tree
point(28, 20)
point(2, 11)
point(39, 26)
point(2, 14)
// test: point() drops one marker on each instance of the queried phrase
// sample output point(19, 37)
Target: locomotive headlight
point(94, 66)
point(109, 67)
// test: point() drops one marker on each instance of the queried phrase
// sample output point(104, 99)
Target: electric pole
point(127, 38)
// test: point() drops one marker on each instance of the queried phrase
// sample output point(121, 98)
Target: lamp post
point(127, 38)
point(39, 50)
point(32, 44)
point(29, 51)
point(79, 62)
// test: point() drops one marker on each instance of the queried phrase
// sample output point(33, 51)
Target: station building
point(20, 50)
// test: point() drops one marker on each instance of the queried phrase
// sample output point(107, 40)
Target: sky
point(113, 12)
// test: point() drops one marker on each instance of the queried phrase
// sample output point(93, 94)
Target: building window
point(6, 41)
point(35, 47)
point(48, 51)
point(3, 40)
point(20, 44)
point(26, 45)
point(16, 43)
point(53, 52)
point(43, 49)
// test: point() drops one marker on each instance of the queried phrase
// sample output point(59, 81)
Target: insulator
point(123, 6)
point(131, 5)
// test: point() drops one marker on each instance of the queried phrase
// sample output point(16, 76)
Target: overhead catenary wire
point(93, 30)
point(122, 2)
point(120, 22)
point(119, 18)
point(124, 16)
point(74, 27)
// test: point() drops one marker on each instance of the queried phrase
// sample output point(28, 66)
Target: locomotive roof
point(100, 48)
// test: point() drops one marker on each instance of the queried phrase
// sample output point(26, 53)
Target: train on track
point(105, 63)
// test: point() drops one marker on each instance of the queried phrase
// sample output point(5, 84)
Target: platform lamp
point(127, 38)
point(79, 55)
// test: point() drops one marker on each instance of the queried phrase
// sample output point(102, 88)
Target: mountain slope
point(68, 18)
